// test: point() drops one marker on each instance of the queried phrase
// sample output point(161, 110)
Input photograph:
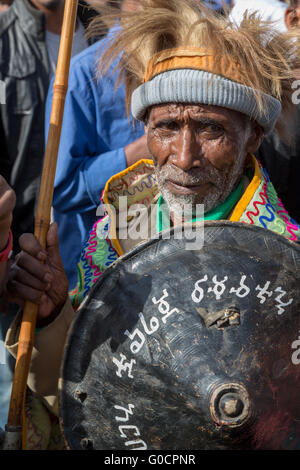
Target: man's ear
point(256, 138)
point(291, 17)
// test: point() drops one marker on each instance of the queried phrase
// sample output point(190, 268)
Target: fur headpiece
point(183, 38)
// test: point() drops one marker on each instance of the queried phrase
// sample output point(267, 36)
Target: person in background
point(29, 41)
point(4, 5)
point(97, 141)
point(282, 158)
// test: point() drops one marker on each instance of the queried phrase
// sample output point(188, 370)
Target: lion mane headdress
point(180, 51)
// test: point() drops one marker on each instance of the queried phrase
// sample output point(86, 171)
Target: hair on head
point(265, 57)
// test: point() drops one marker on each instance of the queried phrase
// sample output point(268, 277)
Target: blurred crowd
point(95, 114)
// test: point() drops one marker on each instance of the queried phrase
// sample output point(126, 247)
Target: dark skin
point(188, 139)
point(38, 275)
point(200, 149)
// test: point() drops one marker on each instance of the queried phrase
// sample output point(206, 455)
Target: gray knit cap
point(197, 86)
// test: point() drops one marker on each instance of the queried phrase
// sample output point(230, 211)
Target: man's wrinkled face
point(199, 152)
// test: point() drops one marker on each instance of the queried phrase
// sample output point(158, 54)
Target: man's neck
point(54, 18)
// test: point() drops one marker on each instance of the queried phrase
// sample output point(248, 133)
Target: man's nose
point(186, 150)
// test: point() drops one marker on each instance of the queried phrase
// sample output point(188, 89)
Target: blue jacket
point(94, 133)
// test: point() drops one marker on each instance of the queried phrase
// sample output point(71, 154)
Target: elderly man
point(206, 105)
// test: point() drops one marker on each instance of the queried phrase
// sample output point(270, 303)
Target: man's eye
point(167, 125)
point(210, 128)
point(214, 128)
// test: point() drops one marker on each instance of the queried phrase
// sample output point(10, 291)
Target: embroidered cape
point(259, 205)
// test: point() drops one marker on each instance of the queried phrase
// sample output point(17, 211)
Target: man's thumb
point(53, 243)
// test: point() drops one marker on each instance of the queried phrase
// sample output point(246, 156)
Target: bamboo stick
point(42, 221)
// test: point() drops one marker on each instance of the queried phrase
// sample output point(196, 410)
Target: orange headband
point(192, 58)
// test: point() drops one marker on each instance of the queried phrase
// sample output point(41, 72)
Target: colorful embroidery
point(266, 210)
point(96, 256)
point(258, 206)
point(150, 181)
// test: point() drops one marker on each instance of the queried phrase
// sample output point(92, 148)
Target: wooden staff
point(26, 338)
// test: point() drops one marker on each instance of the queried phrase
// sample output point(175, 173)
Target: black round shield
point(184, 346)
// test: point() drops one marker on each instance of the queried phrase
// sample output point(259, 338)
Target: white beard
point(220, 188)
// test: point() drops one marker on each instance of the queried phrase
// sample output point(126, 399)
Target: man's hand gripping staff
point(38, 276)
point(40, 279)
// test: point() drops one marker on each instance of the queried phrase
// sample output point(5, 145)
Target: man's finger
point(34, 267)
point(7, 203)
point(30, 245)
point(53, 245)
point(25, 278)
point(52, 237)
point(19, 291)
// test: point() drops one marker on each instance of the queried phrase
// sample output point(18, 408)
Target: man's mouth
point(179, 188)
